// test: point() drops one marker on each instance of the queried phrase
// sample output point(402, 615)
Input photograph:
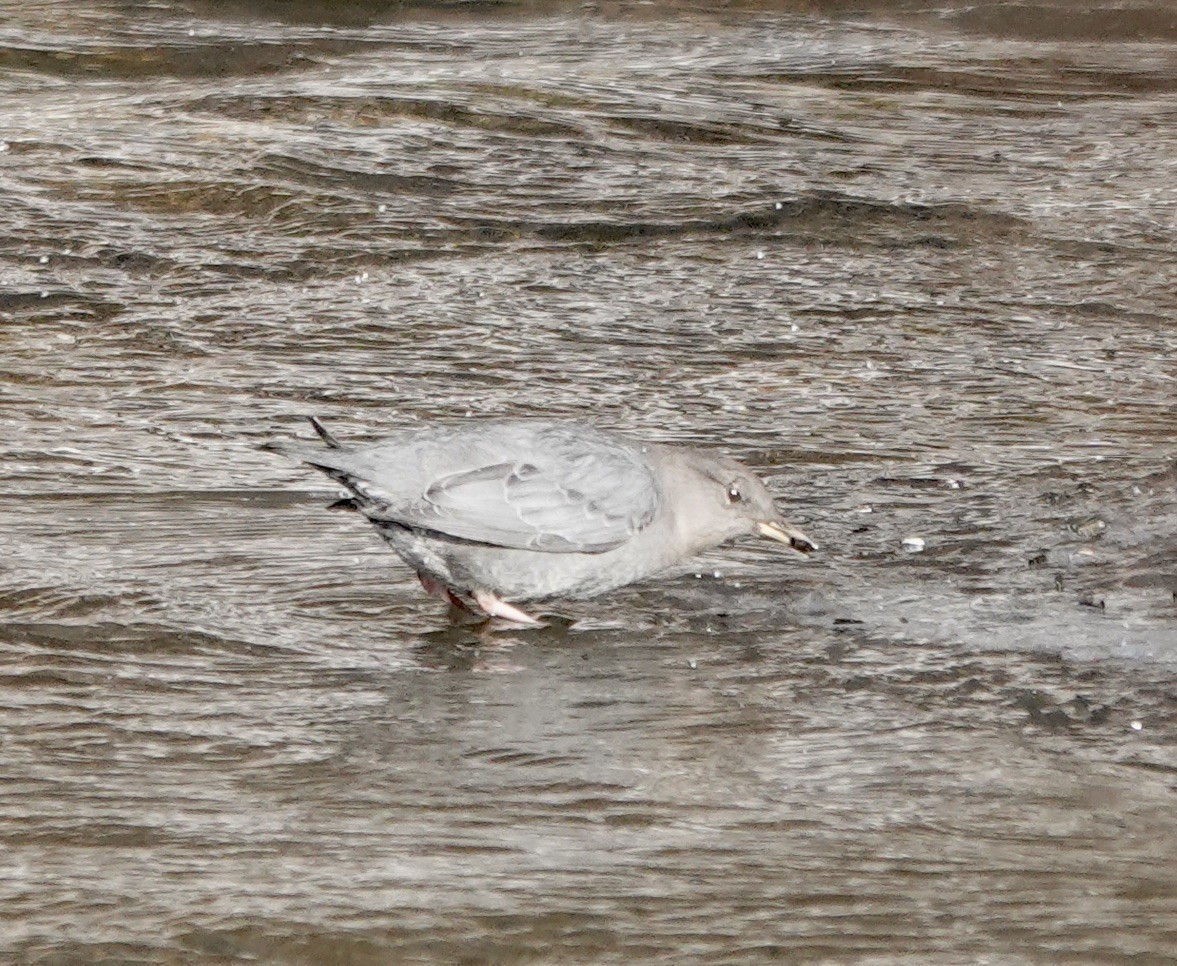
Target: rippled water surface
point(916, 263)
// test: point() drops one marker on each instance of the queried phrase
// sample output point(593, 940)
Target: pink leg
point(500, 608)
point(438, 589)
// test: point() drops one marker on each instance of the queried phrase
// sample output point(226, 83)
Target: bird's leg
point(438, 589)
point(487, 602)
point(495, 607)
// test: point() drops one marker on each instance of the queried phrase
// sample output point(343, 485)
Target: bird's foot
point(483, 601)
point(494, 607)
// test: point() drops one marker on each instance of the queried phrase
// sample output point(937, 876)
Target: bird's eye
point(734, 495)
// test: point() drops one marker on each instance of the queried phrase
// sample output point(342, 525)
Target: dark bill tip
point(788, 535)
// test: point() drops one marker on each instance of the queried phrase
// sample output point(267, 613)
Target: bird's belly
point(514, 574)
point(531, 575)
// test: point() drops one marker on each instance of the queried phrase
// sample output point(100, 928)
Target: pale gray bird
point(489, 512)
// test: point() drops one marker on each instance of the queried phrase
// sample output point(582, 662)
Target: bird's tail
point(316, 457)
point(299, 450)
point(324, 435)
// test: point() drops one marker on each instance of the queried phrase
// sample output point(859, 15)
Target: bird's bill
point(789, 535)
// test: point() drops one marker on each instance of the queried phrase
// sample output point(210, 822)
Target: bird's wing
point(559, 506)
point(567, 490)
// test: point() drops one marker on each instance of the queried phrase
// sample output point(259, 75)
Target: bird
point(494, 513)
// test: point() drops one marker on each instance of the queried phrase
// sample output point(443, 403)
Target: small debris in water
point(866, 508)
point(1088, 600)
point(1039, 560)
point(1088, 526)
point(914, 544)
point(1137, 725)
point(760, 255)
point(693, 664)
point(44, 259)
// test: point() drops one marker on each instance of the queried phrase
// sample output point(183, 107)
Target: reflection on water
point(914, 264)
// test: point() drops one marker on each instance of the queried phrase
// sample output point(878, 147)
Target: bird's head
point(730, 501)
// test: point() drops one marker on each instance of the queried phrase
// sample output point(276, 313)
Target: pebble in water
point(1088, 526)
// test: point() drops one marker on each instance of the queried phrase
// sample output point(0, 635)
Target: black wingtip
point(324, 434)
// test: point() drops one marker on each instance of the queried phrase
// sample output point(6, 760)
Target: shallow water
point(914, 264)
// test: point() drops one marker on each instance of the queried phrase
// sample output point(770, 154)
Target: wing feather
point(559, 488)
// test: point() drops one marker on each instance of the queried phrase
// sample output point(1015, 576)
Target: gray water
point(916, 264)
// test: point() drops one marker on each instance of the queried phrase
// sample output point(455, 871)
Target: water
point(914, 264)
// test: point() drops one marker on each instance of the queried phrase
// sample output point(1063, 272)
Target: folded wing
point(559, 489)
